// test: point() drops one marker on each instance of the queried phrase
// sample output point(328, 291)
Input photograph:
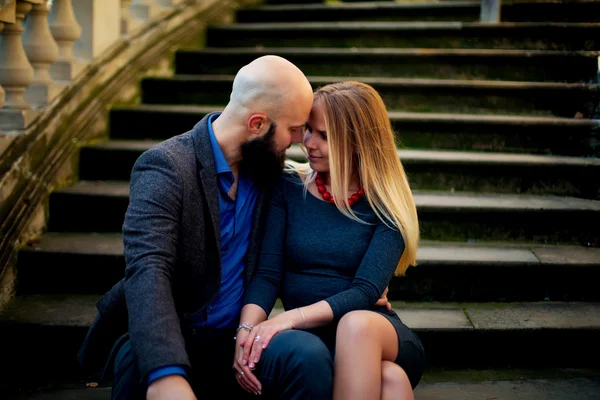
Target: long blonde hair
point(359, 135)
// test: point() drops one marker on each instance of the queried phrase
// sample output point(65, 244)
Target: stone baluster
point(143, 10)
point(126, 25)
point(66, 31)
point(42, 51)
point(101, 27)
point(16, 73)
point(2, 94)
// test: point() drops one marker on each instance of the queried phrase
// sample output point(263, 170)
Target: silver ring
point(242, 373)
point(256, 338)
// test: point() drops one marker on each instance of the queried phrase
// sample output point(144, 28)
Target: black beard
point(261, 161)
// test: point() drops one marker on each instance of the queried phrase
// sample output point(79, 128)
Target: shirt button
point(210, 308)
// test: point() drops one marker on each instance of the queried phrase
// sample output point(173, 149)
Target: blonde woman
point(338, 230)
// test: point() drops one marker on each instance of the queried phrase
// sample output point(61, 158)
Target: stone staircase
point(495, 129)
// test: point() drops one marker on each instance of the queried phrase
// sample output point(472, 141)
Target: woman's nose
point(308, 143)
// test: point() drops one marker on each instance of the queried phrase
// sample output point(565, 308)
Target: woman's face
point(315, 139)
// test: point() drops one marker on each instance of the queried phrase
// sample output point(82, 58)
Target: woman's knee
point(355, 324)
point(393, 374)
point(395, 380)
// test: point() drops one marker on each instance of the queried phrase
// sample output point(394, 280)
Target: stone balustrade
point(45, 44)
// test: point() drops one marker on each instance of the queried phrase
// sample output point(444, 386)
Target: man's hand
point(383, 301)
point(172, 387)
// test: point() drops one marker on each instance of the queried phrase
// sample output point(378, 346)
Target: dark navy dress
point(312, 252)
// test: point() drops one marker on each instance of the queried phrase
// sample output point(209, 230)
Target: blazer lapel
point(208, 173)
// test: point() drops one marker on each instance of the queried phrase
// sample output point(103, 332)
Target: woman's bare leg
point(394, 382)
point(364, 339)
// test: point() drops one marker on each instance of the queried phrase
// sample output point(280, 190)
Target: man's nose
point(297, 137)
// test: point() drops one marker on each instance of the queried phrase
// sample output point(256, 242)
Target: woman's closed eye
point(321, 133)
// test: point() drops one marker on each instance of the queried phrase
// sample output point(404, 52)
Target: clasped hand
point(249, 348)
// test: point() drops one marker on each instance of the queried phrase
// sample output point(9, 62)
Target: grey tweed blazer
point(172, 253)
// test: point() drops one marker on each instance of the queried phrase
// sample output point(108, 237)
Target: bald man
point(191, 236)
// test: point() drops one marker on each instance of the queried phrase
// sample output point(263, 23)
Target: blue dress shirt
point(236, 223)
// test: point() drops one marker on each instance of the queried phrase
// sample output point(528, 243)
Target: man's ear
point(257, 124)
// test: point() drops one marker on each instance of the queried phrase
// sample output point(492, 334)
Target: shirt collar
point(221, 164)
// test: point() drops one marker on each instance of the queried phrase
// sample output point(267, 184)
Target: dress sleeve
point(264, 286)
point(373, 275)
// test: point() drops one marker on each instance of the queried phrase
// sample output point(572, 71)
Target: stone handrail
point(62, 64)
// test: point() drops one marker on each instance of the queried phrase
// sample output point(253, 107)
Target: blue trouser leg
point(296, 365)
point(211, 377)
point(126, 382)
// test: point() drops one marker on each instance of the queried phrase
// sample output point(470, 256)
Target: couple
point(215, 232)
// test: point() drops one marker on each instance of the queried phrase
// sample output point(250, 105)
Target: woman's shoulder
point(289, 184)
point(291, 181)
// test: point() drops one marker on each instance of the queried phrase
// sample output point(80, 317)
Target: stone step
point(428, 169)
point(554, 10)
point(99, 206)
point(45, 334)
point(508, 35)
point(293, 1)
point(408, 94)
point(470, 64)
point(50, 329)
point(459, 10)
point(446, 271)
point(82, 263)
point(526, 389)
point(505, 133)
point(467, 11)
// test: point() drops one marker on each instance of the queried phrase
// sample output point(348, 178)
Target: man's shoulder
point(175, 150)
point(177, 145)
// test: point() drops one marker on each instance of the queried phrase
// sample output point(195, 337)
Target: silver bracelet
point(303, 317)
point(245, 326)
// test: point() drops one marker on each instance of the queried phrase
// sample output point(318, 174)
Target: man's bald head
point(270, 85)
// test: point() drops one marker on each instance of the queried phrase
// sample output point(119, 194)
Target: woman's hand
point(243, 374)
point(260, 336)
point(383, 300)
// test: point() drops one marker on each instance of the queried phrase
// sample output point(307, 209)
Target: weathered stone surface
point(475, 255)
point(490, 201)
point(434, 319)
point(569, 255)
point(59, 310)
point(547, 389)
point(88, 243)
point(545, 315)
point(559, 389)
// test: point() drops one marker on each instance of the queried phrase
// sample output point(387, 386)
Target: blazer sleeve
point(150, 236)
